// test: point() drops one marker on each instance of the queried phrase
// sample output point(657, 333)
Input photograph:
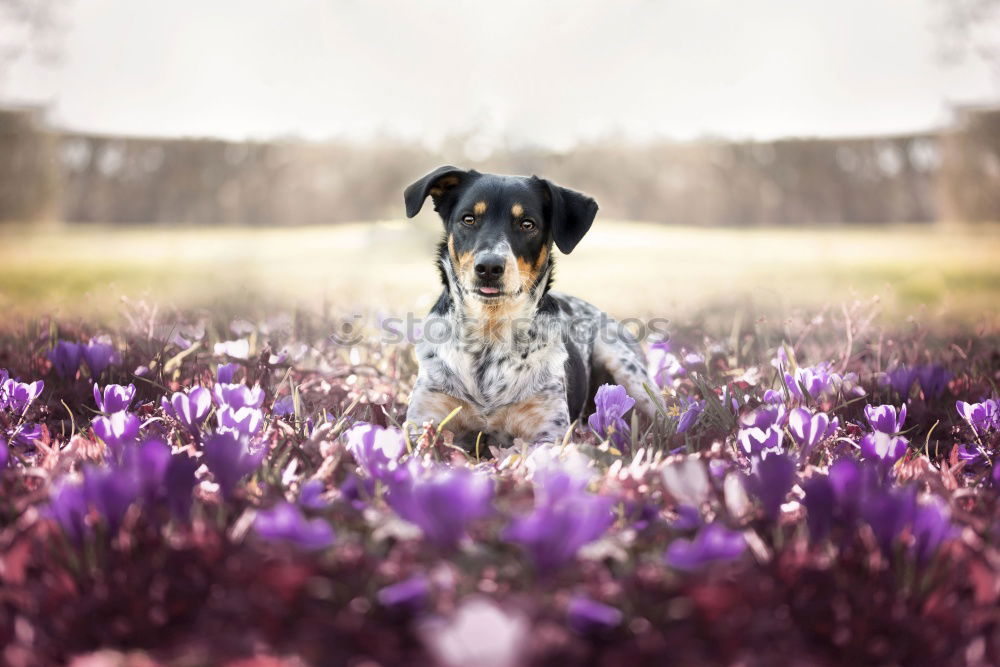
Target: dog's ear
point(439, 185)
point(571, 214)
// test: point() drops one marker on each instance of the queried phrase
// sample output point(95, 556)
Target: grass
point(631, 269)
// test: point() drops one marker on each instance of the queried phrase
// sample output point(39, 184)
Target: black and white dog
point(521, 361)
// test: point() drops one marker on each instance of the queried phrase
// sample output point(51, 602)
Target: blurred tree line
point(949, 175)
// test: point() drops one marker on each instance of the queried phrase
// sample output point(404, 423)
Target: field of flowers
point(188, 490)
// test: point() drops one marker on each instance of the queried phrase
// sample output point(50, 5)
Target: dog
point(520, 360)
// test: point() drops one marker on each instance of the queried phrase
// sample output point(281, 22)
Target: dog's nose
point(490, 266)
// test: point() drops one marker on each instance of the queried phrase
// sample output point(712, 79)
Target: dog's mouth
point(489, 292)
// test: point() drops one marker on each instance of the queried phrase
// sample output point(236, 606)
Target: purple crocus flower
point(357, 491)
point(408, 595)
point(690, 415)
point(189, 409)
point(161, 476)
point(587, 616)
point(115, 397)
point(111, 491)
point(810, 429)
point(883, 418)
point(764, 417)
point(4, 453)
point(311, 495)
point(980, 416)
point(27, 434)
point(238, 396)
point(178, 483)
point(284, 407)
point(773, 397)
point(838, 497)
point(883, 447)
point(442, 501)
point(688, 519)
point(19, 395)
point(608, 421)
point(98, 354)
point(901, 379)
point(229, 457)
point(376, 449)
point(933, 380)
point(555, 530)
point(554, 478)
point(664, 365)
point(888, 511)
point(694, 362)
point(815, 381)
point(760, 442)
point(242, 420)
point(148, 462)
point(972, 455)
point(713, 543)
point(285, 523)
point(821, 503)
point(226, 373)
point(65, 358)
point(770, 481)
point(68, 506)
point(117, 430)
point(852, 482)
point(931, 528)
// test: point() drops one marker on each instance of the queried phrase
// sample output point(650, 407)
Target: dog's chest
point(491, 373)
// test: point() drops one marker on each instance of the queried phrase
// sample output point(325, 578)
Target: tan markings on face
point(462, 263)
point(528, 272)
point(435, 406)
point(479, 208)
point(517, 210)
point(442, 184)
point(524, 420)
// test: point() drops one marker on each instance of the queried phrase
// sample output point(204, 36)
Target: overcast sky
point(526, 71)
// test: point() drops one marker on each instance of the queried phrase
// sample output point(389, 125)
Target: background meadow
point(940, 276)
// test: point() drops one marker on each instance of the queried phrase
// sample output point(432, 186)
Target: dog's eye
point(527, 225)
point(468, 220)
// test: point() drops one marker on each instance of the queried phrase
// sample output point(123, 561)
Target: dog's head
point(499, 230)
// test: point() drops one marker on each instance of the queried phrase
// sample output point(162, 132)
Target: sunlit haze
point(517, 72)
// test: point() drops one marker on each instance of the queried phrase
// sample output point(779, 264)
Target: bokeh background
point(751, 158)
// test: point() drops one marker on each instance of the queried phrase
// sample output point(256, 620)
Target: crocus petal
point(714, 543)
point(587, 616)
point(285, 523)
